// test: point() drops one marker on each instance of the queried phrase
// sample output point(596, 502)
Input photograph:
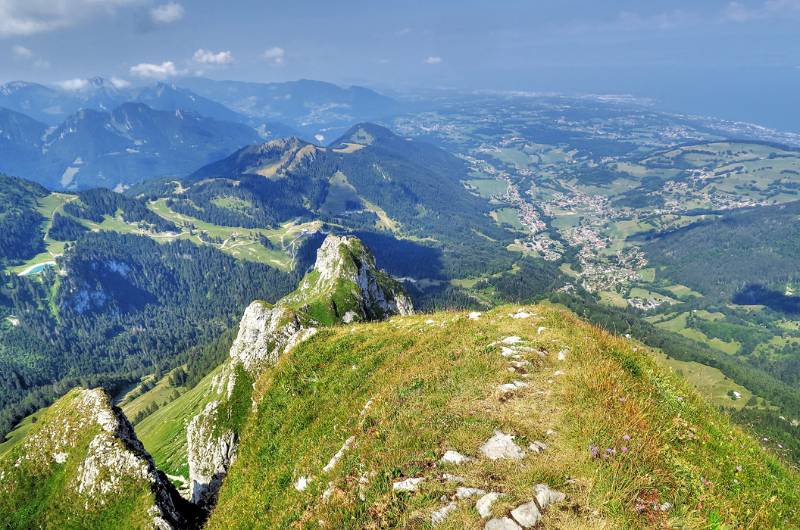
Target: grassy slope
point(432, 387)
point(238, 242)
point(163, 433)
point(19, 433)
point(48, 206)
point(161, 394)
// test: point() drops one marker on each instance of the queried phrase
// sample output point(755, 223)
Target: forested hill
point(125, 306)
point(20, 221)
point(369, 180)
point(369, 165)
point(724, 256)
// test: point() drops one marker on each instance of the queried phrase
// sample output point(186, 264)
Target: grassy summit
point(347, 417)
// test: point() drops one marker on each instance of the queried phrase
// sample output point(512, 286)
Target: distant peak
point(279, 145)
point(366, 134)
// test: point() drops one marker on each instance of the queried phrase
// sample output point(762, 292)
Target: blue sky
point(736, 59)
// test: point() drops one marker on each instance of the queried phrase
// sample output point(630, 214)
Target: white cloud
point(208, 57)
point(21, 52)
point(26, 17)
point(167, 13)
point(73, 85)
point(155, 71)
point(274, 55)
point(120, 83)
point(24, 54)
point(741, 12)
point(433, 59)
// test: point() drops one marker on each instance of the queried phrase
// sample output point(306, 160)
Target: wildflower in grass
point(626, 437)
point(624, 449)
point(594, 450)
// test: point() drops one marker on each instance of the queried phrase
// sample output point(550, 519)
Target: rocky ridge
point(85, 457)
point(345, 285)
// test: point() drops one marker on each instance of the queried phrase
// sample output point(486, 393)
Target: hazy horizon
point(733, 60)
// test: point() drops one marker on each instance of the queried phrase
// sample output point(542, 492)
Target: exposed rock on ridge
point(344, 286)
point(95, 446)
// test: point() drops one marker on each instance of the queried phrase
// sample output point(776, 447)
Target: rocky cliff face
point(85, 457)
point(344, 286)
point(210, 454)
point(264, 332)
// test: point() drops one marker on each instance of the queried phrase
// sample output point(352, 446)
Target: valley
point(601, 197)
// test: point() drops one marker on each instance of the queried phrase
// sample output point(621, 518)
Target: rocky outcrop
point(112, 463)
point(264, 332)
point(344, 286)
point(210, 455)
point(347, 285)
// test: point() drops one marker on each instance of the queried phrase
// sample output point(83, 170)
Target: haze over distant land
point(736, 60)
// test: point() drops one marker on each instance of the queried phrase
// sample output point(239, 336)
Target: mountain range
point(106, 133)
point(114, 148)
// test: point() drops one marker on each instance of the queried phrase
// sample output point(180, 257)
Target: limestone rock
point(502, 446)
point(441, 514)
point(345, 286)
point(546, 496)
point(454, 457)
point(484, 504)
point(112, 463)
point(210, 455)
point(347, 282)
point(264, 332)
point(537, 446)
point(527, 515)
point(410, 484)
point(503, 523)
point(466, 493)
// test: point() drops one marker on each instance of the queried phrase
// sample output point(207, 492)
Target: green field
point(135, 401)
point(682, 292)
point(709, 382)
point(232, 203)
point(240, 242)
point(507, 216)
point(678, 324)
point(18, 434)
point(340, 194)
point(487, 188)
point(48, 207)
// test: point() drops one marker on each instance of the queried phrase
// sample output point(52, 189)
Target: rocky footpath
point(344, 286)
